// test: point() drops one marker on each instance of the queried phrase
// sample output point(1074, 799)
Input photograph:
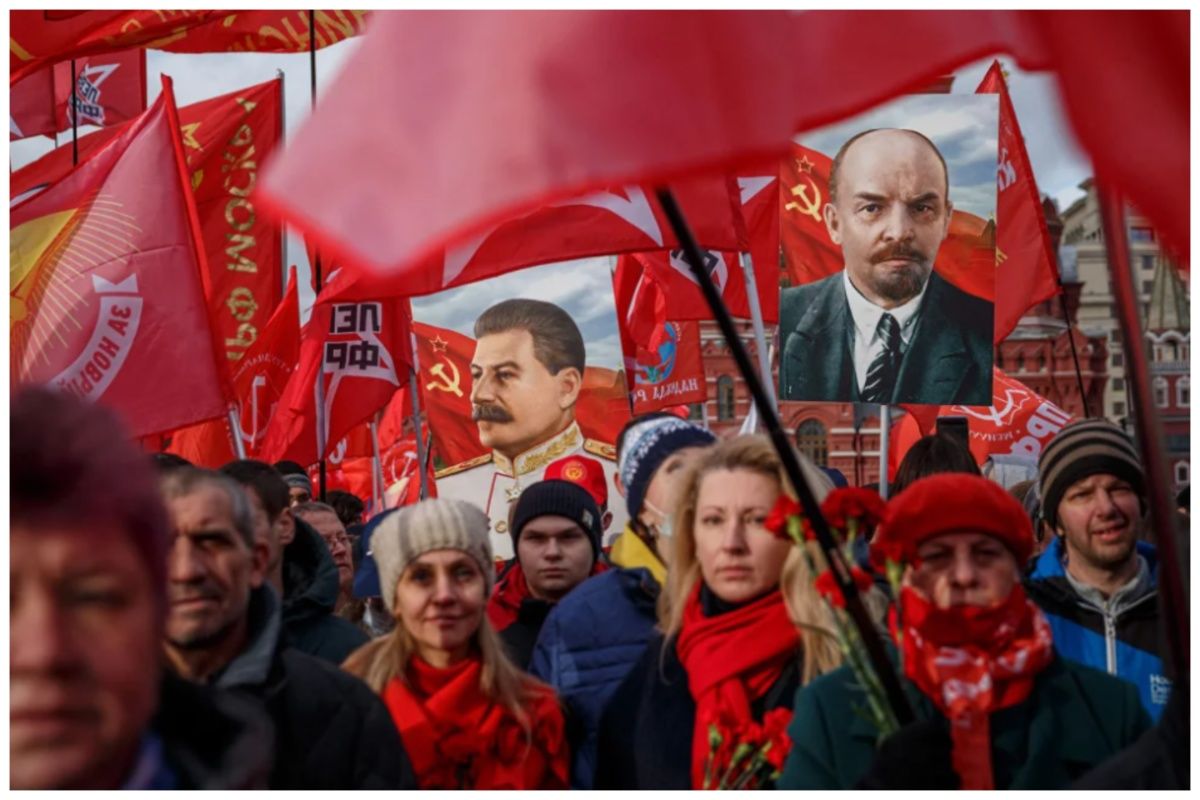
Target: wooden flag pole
point(840, 570)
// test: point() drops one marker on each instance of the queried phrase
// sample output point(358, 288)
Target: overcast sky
point(1057, 161)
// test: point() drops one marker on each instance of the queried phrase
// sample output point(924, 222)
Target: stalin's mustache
point(489, 413)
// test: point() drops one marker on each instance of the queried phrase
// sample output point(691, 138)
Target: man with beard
point(224, 628)
point(1096, 582)
point(886, 329)
point(526, 376)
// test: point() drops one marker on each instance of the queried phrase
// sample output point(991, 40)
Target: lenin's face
point(515, 400)
point(890, 216)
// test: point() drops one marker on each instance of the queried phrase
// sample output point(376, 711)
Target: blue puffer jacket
point(588, 644)
point(1120, 636)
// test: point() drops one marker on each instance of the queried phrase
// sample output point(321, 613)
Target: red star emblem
point(804, 165)
point(439, 344)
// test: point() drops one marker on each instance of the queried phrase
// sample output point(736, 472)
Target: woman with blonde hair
point(468, 718)
point(730, 655)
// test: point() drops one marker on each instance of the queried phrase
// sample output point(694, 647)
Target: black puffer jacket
point(212, 739)
point(310, 592)
point(331, 730)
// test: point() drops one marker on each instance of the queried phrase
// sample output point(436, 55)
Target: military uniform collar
point(538, 458)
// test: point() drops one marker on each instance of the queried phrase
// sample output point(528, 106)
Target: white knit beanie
point(434, 524)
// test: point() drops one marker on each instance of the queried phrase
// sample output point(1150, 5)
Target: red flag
point(614, 221)
point(965, 259)
point(31, 107)
point(673, 374)
point(444, 361)
point(760, 214)
point(514, 140)
point(209, 444)
point(40, 38)
point(603, 405)
point(109, 88)
point(360, 353)
point(1019, 422)
point(105, 295)
point(1025, 256)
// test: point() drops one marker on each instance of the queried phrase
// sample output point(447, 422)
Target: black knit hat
point(558, 498)
point(1081, 449)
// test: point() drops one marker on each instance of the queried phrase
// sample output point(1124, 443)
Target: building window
point(1147, 287)
point(696, 412)
point(1118, 409)
point(812, 440)
point(1118, 384)
point(1160, 392)
point(1183, 392)
point(724, 398)
point(1141, 234)
point(1183, 472)
point(1118, 360)
point(1147, 263)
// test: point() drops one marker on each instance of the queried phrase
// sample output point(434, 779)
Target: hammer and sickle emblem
point(446, 383)
point(809, 207)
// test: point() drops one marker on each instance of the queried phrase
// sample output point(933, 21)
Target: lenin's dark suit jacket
point(948, 360)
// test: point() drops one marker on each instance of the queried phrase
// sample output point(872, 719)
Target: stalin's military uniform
point(494, 483)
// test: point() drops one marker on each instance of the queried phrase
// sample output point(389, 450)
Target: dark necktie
point(881, 376)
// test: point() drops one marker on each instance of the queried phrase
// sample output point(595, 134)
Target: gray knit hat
point(434, 524)
point(1082, 449)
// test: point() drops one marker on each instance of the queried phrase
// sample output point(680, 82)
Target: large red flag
point(31, 107)
point(360, 353)
point(760, 215)
point(513, 140)
point(1019, 422)
point(40, 38)
point(671, 375)
point(105, 298)
point(226, 140)
point(444, 362)
point(1025, 262)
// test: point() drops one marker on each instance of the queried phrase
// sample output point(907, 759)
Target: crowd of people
point(178, 627)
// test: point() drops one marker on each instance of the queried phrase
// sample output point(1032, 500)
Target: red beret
point(587, 472)
point(951, 502)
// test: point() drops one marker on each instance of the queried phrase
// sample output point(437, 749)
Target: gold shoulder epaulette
point(600, 449)
point(465, 465)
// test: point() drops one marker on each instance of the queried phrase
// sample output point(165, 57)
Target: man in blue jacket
point(1098, 584)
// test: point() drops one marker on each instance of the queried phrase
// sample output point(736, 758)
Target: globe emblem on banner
point(654, 374)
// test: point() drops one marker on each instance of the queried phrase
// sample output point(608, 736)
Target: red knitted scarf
point(458, 738)
point(731, 660)
point(971, 661)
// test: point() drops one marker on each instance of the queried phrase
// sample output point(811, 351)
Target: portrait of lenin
point(886, 328)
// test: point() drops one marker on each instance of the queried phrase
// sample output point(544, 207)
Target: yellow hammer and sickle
point(808, 207)
point(446, 383)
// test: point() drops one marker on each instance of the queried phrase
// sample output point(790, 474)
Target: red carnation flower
point(827, 587)
point(777, 521)
point(862, 505)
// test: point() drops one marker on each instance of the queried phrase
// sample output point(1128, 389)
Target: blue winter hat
point(646, 446)
point(366, 578)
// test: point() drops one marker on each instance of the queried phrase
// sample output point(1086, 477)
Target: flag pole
point(239, 447)
point(312, 70)
point(885, 437)
point(1062, 299)
point(756, 321)
point(422, 456)
point(840, 570)
point(322, 430)
point(1163, 516)
point(376, 465)
point(283, 232)
point(73, 108)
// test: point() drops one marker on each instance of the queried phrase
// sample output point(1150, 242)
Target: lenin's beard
point(898, 285)
point(489, 413)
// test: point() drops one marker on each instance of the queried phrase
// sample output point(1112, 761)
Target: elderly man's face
point(891, 215)
point(85, 632)
point(964, 569)
point(516, 402)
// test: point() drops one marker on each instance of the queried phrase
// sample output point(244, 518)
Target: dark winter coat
point(522, 633)
point(588, 644)
point(1160, 759)
point(1074, 718)
point(1119, 635)
point(211, 739)
point(310, 593)
point(332, 731)
point(645, 737)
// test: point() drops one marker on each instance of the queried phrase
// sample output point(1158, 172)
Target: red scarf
point(457, 738)
point(971, 661)
point(731, 660)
